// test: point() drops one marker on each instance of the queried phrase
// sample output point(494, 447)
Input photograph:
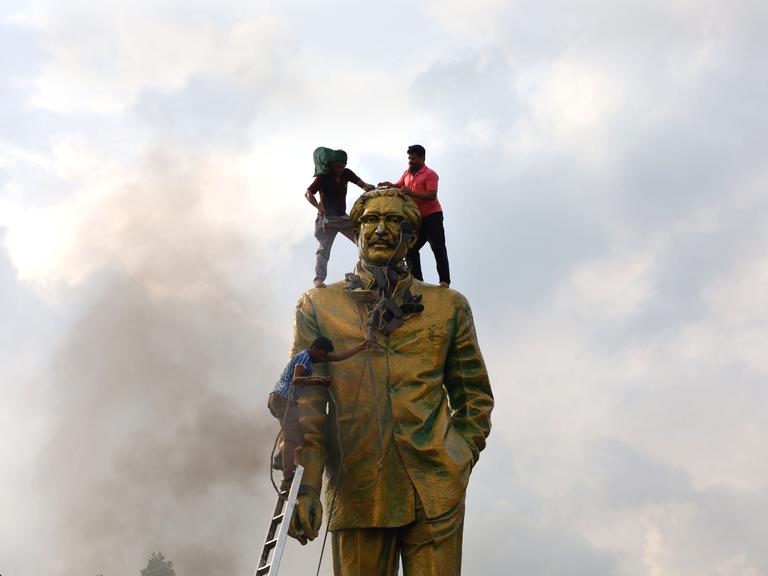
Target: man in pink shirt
point(420, 182)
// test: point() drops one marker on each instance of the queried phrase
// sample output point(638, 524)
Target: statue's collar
point(387, 289)
point(388, 281)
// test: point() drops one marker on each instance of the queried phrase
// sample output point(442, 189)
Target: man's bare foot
point(444, 284)
point(319, 284)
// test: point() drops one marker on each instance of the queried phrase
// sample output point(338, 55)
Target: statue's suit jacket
point(406, 418)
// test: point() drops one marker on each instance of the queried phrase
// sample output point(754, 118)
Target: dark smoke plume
point(160, 438)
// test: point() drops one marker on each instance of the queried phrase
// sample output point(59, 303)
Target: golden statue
point(402, 424)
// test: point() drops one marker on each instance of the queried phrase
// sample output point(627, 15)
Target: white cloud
point(602, 174)
point(739, 565)
point(613, 288)
point(103, 57)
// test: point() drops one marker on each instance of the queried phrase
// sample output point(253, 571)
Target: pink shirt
point(425, 180)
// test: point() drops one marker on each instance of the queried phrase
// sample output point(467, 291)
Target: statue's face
point(381, 238)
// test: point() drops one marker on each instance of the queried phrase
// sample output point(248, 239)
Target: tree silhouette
point(157, 565)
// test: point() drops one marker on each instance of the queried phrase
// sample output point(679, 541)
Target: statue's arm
point(313, 402)
point(467, 383)
point(311, 454)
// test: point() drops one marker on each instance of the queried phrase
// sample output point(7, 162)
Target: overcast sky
point(604, 182)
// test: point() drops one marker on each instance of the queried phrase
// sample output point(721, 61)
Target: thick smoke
point(160, 438)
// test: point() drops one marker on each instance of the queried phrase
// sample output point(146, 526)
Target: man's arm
point(339, 356)
point(431, 188)
point(355, 179)
point(367, 187)
point(399, 184)
point(300, 378)
point(466, 380)
point(428, 195)
point(313, 189)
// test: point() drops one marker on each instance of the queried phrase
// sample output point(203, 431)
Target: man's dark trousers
point(431, 231)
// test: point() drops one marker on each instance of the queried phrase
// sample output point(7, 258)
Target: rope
point(271, 459)
point(277, 439)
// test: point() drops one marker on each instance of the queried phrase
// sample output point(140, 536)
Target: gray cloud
point(208, 112)
point(511, 528)
point(626, 477)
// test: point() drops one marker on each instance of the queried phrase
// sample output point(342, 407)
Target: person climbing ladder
point(283, 399)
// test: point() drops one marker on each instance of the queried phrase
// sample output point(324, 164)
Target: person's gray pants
point(325, 231)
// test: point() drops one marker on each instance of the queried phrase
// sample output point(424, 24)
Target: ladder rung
point(278, 529)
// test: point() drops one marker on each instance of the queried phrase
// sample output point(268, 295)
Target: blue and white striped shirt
point(284, 384)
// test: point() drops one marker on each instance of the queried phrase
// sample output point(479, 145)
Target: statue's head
point(387, 225)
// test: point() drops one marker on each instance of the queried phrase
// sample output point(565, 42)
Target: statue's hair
point(409, 206)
